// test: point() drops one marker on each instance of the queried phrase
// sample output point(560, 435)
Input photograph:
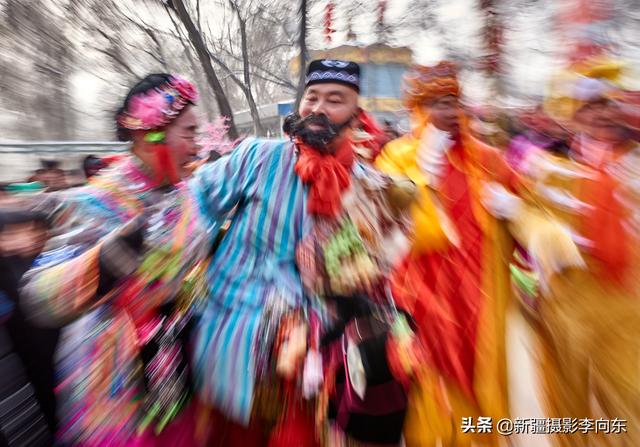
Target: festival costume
point(124, 268)
point(589, 314)
point(523, 274)
point(455, 280)
point(268, 265)
point(306, 225)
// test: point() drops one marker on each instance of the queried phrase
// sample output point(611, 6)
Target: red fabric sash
point(442, 290)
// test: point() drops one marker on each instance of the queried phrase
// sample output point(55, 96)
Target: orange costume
point(590, 314)
point(455, 278)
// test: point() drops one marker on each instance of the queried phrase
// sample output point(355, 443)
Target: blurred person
point(22, 237)
point(91, 165)
point(540, 132)
point(50, 175)
point(589, 313)
point(124, 269)
point(26, 374)
point(310, 220)
point(455, 279)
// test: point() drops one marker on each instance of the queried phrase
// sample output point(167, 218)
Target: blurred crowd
point(347, 285)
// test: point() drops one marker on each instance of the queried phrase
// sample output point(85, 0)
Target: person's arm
point(547, 241)
point(222, 185)
point(64, 287)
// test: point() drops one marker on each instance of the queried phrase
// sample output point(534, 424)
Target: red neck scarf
point(328, 175)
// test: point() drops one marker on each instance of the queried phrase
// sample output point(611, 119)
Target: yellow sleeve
point(548, 242)
point(398, 158)
point(388, 161)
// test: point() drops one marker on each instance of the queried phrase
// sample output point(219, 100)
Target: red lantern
point(328, 21)
point(382, 7)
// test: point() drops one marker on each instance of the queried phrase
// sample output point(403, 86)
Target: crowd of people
point(347, 285)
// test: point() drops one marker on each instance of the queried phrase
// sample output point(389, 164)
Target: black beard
point(317, 139)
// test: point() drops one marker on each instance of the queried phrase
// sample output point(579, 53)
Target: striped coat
point(253, 275)
point(254, 263)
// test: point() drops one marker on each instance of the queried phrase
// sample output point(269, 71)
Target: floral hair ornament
point(158, 107)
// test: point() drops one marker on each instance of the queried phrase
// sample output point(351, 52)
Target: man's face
point(324, 110)
point(180, 137)
point(445, 114)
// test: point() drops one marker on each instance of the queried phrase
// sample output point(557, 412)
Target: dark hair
point(213, 156)
point(288, 122)
point(91, 161)
point(50, 164)
point(149, 82)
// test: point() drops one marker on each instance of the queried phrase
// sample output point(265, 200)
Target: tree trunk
point(255, 115)
point(304, 54)
point(203, 55)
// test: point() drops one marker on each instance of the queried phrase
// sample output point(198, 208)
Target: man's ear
point(354, 118)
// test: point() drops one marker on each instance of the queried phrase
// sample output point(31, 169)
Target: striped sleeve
point(222, 185)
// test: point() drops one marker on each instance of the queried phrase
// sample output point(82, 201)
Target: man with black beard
point(310, 221)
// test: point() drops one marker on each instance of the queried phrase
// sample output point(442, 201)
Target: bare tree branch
point(265, 71)
point(302, 44)
point(117, 59)
point(198, 13)
point(203, 55)
point(287, 85)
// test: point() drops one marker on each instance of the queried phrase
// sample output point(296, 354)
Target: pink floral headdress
point(158, 107)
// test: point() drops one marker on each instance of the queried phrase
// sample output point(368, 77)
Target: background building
point(382, 67)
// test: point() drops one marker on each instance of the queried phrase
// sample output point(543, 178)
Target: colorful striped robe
point(253, 274)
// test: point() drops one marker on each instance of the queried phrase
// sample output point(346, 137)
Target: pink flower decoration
point(149, 108)
point(186, 89)
point(214, 137)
